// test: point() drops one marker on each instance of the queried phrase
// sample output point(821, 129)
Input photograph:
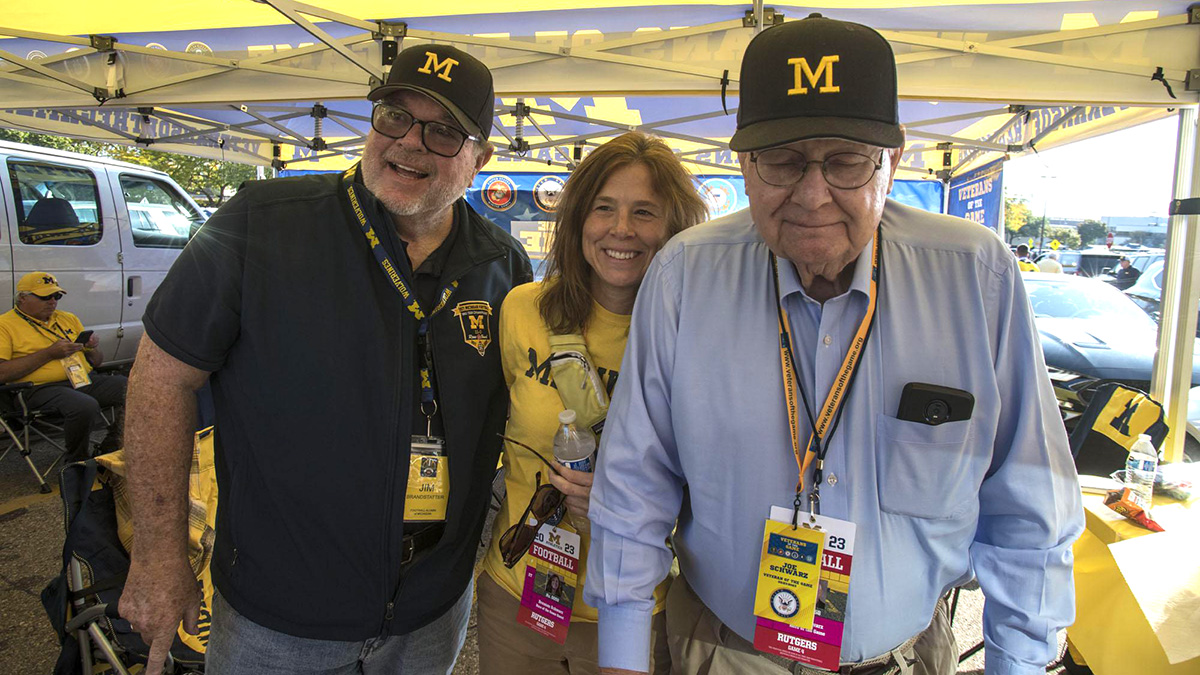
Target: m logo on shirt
point(474, 316)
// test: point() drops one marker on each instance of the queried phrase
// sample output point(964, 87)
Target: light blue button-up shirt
point(698, 433)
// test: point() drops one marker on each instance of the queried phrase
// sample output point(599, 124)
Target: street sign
point(1054, 244)
point(1108, 238)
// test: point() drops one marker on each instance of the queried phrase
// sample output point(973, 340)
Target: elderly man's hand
point(93, 341)
point(63, 348)
point(158, 594)
point(577, 486)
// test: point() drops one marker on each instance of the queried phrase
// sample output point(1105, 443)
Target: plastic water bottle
point(574, 448)
point(1140, 469)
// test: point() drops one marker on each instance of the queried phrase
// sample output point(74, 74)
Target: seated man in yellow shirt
point(38, 345)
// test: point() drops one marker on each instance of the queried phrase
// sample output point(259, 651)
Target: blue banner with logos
point(523, 203)
point(979, 196)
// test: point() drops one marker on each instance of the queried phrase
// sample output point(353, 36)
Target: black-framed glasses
point(440, 139)
point(782, 167)
point(48, 298)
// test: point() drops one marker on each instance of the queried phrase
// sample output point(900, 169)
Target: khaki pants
point(701, 644)
point(508, 648)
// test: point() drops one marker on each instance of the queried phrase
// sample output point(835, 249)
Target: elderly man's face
point(818, 227)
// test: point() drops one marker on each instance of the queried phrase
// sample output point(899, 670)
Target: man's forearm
point(14, 369)
point(94, 357)
point(160, 413)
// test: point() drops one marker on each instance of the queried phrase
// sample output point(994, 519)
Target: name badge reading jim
point(428, 481)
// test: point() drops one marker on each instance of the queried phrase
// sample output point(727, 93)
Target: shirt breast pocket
point(924, 470)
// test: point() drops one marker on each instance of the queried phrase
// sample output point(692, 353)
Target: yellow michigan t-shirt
point(19, 337)
point(533, 419)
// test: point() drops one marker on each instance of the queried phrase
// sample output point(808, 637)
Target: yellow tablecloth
point(1111, 631)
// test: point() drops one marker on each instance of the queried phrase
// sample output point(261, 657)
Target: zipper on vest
point(389, 502)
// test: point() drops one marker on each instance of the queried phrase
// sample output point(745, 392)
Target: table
point(1110, 630)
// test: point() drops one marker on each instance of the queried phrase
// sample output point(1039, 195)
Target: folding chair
point(82, 602)
point(18, 420)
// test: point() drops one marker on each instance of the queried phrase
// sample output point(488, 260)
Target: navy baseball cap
point(817, 78)
point(455, 79)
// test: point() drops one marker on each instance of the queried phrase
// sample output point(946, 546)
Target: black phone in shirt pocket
point(934, 404)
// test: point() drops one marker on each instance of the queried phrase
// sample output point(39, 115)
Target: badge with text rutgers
point(551, 581)
point(820, 643)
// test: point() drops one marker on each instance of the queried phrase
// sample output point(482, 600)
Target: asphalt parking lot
point(31, 537)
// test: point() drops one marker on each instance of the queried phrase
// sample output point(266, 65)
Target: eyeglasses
point(440, 139)
point(48, 298)
point(782, 167)
point(545, 502)
point(515, 541)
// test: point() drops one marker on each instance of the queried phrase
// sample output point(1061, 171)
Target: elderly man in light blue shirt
point(699, 443)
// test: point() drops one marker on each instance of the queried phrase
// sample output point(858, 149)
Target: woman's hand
point(577, 486)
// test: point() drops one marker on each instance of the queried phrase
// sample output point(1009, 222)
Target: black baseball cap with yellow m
point(817, 78)
point(461, 83)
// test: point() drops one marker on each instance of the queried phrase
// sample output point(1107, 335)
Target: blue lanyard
point(429, 404)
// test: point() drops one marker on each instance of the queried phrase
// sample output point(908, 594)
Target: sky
point(1125, 173)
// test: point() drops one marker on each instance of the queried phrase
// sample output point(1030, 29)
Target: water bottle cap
point(566, 417)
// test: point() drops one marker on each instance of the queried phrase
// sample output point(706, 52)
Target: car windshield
point(1083, 300)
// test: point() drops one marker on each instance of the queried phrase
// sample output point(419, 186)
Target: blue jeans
point(238, 646)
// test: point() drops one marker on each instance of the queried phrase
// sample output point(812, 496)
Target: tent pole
point(1180, 292)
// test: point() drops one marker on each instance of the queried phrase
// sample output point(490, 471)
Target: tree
point(1067, 238)
point(1016, 216)
point(1032, 229)
point(198, 176)
point(1092, 231)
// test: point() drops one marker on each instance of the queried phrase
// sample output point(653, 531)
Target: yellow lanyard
point(824, 425)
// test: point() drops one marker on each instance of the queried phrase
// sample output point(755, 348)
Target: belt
point(418, 542)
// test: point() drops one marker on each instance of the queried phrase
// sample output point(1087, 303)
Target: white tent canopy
point(234, 83)
point(286, 81)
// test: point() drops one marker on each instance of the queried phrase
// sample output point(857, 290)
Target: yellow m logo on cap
point(804, 72)
point(435, 65)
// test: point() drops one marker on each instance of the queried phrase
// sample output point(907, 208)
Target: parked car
point(108, 230)
point(1146, 292)
point(1091, 333)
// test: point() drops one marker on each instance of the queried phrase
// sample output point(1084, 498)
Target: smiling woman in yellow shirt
point(616, 211)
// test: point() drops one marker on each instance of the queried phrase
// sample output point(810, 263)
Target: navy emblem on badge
point(473, 316)
point(785, 603)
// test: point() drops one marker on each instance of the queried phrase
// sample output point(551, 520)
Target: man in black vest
point(347, 325)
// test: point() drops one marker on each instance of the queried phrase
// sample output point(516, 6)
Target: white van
point(108, 230)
